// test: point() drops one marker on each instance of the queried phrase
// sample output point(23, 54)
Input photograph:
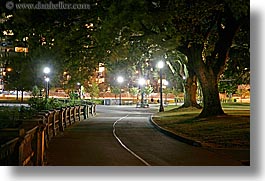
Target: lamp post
point(120, 81)
point(47, 79)
point(141, 82)
point(79, 89)
point(46, 71)
point(160, 65)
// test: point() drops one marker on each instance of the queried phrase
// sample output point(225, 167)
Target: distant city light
point(8, 32)
point(9, 69)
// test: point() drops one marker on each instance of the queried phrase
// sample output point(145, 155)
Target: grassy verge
point(230, 131)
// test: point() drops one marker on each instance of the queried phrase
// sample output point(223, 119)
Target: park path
point(92, 142)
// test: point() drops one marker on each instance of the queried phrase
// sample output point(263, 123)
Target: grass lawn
point(230, 131)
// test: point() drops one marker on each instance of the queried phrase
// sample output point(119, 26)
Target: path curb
point(186, 140)
point(173, 135)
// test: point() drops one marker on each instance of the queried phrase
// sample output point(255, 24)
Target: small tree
point(134, 91)
point(94, 90)
point(227, 87)
point(116, 91)
point(166, 91)
point(176, 92)
point(35, 91)
point(148, 90)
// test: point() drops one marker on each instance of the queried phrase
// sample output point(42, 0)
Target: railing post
point(61, 117)
point(54, 122)
point(85, 111)
point(69, 115)
point(40, 145)
point(79, 113)
point(88, 110)
point(82, 107)
point(74, 113)
point(50, 124)
point(66, 116)
point(47, 123)
point(20, 146)
point(94, 109)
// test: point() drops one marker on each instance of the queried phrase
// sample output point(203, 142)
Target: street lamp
point(141, 82)
point(46, 71)
point(160, 65)
point(120, 81)
point(166, 83)
point(79, 89)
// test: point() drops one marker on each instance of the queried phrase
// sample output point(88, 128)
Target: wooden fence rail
point(27, 148)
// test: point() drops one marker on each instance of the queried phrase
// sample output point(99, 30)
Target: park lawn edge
point(231, 131)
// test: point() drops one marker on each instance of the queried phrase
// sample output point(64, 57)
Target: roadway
point(124, 136)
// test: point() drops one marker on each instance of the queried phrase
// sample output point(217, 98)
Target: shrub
point(11, 117)
point(45, 104)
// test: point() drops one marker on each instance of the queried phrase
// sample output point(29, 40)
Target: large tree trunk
point(189, 84)
point(211, 99)
point(190, 90)
point(208, 69)
point(209, 83)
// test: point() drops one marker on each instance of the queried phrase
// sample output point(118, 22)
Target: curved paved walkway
point(92, 143)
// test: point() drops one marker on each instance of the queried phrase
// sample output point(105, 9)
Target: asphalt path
point(124, 136)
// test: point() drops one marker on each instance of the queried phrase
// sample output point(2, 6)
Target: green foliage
point(227, 86)
point(20, 75)
point(176, 92)
point(239, 8)
point(127, 36)
point(134, 91)
point(40, 104)
point(73, 95)
point(148, 90)
point(97, 101)
point(35, 91)
point(167, 90)
point(45, 104)
point(9, 113)
point(115, 90)
point(8, 117)
point(62, 40)
point(94, 90)
point(11, 117)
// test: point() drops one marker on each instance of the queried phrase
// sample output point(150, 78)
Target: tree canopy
point(131, 36)
point(61, 39)
point(204, 31)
